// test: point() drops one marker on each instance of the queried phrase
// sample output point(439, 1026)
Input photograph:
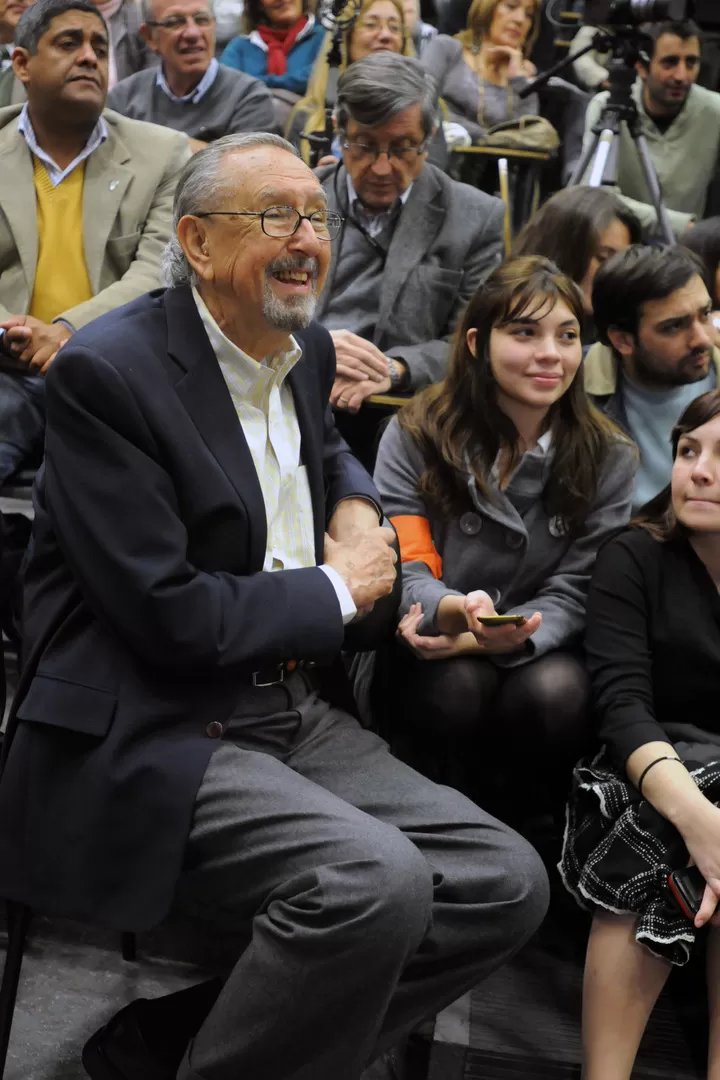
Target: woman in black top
point(646, 804)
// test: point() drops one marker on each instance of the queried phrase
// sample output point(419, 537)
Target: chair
point(19, 916)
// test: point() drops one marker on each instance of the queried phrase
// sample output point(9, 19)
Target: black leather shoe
point(118, 1051)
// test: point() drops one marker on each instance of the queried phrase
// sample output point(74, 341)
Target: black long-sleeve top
point(653, 643)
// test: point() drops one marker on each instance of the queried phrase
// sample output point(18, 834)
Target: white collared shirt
point(373, 224)
point(265, 408)
point(57, 175)
point(200, 90)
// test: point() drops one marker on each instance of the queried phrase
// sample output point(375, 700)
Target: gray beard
point(294, 313)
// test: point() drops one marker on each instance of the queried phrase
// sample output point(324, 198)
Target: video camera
point(613, 13)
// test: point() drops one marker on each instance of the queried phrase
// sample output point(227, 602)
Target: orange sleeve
point(416, 543)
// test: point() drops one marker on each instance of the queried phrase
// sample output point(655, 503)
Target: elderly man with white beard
point(202, 539)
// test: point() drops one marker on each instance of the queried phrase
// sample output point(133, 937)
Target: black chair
point(19, 916)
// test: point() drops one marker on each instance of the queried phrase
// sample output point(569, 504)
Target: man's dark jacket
point(146, 609)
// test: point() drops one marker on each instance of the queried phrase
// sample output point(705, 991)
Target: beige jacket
point(127, 210)
point(600, 372)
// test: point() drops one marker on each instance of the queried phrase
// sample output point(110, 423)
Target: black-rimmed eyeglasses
point(203, 19)
point(279, 221)
point(359, 151)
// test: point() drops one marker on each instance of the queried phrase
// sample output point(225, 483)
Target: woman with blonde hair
point(379, 27)
point(480, 72)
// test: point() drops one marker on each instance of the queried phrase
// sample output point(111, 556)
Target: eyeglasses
point(281, 221)
point(203, 19)
point(358, 152)
point(372, 25)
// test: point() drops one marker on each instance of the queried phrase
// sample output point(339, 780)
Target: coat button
point(514, 540)
point(214, 730)
point(470, 524)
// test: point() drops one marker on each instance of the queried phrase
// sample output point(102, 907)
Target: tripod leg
point(587, 156)
point(653, 184)
point(600, 173)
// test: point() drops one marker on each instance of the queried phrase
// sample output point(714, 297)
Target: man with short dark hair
point(415, 244)
point(191, 91)
point(680, 121)
point(652, 310)
point(87, 197)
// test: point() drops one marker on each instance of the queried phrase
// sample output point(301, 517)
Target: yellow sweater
point(61, 277)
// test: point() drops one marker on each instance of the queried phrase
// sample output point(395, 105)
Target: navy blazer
point(146, 608)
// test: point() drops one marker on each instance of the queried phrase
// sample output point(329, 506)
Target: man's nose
point(87, 55)
point(305, 240)
point(701, 336)
point(381, 165)
point(190, 31)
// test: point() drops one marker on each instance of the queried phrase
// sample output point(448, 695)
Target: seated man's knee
point(389, 883)
point(525, 890)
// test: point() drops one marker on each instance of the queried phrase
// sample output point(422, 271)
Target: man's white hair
point(200, 189)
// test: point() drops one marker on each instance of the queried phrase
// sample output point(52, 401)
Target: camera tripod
point(601, 156)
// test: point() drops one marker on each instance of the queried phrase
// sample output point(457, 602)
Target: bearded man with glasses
point(414, 244)
point(203, 538)
point(190, 91)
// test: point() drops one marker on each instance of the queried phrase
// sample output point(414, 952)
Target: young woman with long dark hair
point(647, 804)
point(502, 482)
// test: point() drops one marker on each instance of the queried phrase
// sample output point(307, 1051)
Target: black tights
point(470, 722)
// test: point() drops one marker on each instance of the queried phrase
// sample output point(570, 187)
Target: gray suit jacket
point(525, 564)
point(447, 240)
point(127, 212)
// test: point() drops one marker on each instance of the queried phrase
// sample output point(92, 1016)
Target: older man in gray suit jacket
point(415, 244)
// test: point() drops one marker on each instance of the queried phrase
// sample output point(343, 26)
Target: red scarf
point(279, 43)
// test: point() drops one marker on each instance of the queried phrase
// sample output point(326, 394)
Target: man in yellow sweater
point(85, 206)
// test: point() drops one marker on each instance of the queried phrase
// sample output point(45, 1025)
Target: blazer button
point(214, 730)
point(470, 524)
point(514, 540)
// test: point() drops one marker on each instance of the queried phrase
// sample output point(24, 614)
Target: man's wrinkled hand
point(358, 359)
point(366, 564)
point(349, 395)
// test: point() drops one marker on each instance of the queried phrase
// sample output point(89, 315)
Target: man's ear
point(621, 340)
point(20, 60)
point(193, 239)
point(148, 36)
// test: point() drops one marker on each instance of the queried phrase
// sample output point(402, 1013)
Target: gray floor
point(73, 980)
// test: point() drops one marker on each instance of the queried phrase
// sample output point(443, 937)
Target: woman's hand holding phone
point(701, 834)
point(504, 638)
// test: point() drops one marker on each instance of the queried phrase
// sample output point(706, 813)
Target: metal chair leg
point(128, 947)
point(18, 922)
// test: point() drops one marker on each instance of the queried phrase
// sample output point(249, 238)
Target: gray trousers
point(373, 896)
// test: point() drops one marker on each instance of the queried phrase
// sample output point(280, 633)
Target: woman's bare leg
point(622, 982)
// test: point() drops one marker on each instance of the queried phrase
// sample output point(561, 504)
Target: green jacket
point(685, 157)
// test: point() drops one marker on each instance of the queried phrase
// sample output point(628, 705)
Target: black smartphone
point(687, 888)
point(502, 620)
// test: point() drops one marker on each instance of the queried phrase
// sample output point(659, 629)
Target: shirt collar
point(200, 90)
point(272, 369)
point(98, 136)
point(353, 197)
point(7, 63)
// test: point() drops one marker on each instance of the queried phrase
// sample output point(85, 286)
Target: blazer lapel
point(304, 394)
point(204, 393)
point(420, 221)
point(108, 173)
point(17, 200)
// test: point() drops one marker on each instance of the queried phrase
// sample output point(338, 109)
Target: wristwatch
point(398, 378)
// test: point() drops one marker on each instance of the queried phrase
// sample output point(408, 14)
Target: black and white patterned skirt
point(618, 851)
